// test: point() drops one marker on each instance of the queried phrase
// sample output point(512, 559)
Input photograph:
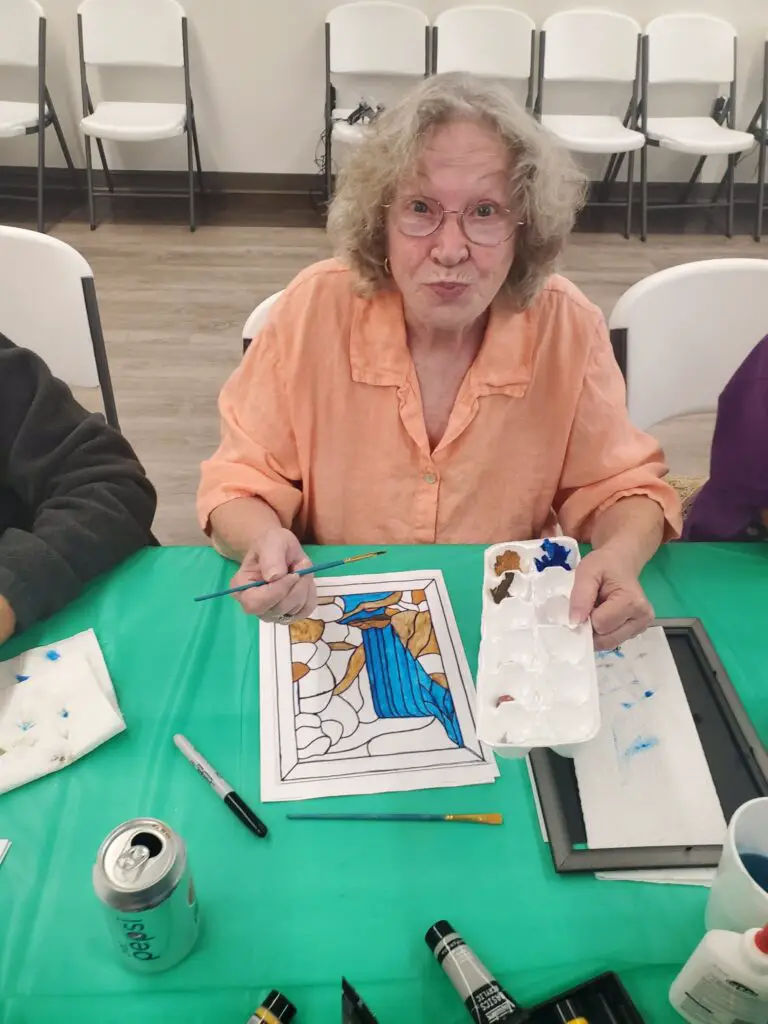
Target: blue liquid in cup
point(757, 866)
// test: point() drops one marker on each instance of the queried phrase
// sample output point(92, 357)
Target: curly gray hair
point(544, 182)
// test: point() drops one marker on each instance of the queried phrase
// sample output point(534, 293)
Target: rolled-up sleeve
point(607, 457)
point(257, 456)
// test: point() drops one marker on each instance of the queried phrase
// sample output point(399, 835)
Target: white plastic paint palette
point(536, 680)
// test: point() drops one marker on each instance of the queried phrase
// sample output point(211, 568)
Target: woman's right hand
point(275, 557)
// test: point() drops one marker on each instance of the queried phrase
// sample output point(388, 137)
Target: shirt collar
point(379, 350)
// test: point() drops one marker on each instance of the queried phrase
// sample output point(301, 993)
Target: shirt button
point(430, 478)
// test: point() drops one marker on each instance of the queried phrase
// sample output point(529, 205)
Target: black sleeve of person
point(74, 499)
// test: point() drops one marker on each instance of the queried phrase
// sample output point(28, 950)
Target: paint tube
point(484, 998)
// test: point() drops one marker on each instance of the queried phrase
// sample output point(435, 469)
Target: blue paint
point(615, 653)
point(640, 744)
point(64, 713)
point(400, 687)
point(648, 693)
point(21, 679)
point(555, 556)
point(53, 655)
point(354, 614)
point(757, 866)
point(25, 726)
point(627, 704)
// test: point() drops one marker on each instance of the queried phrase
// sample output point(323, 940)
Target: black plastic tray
point(736, 758)
point(602, 1000)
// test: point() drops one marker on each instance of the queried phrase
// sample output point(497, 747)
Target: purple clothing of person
point(728, 506)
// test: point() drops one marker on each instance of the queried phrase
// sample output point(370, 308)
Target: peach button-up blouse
point(323, 420)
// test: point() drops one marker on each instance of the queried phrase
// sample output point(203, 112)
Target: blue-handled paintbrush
point(301, 572)
point(467, 819)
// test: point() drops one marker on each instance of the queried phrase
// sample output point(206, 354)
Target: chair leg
point(644, 193)
point(760, 191)
point(630, 191)
point(41, 179)
point(191, 173)
point(105, 165)
point(100, 352)
point(200, 182)
point(89, 182)
point(60, 134)
point(328, 159)
point(731, 178)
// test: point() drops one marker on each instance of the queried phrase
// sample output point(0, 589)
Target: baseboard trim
point(61, 179)
point(662, 192)
point(246, 183)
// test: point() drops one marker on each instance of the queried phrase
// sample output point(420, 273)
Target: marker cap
point(436, 934)
point(279, 1006)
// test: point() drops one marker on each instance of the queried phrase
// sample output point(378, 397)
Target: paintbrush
point(467, 819)
point(301, 572)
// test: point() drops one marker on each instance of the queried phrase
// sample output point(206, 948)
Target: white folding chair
point(23, 44)
point(759, 128)
point(142, 33)
point(258, 318)
point(680, 334)
point(368, 37)
point(585, 45)
point(48, 304)
point(691, 49)
point(494, 42)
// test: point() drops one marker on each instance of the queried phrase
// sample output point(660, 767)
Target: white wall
point(257, 68)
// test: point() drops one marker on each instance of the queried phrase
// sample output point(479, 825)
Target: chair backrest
point(258, 318)
point(495, 42)
point(42, 305)
point(20, 32)
point(690, 48)
point(138, 33)
point(590, 46)
point(374, 37)
point(688, 329)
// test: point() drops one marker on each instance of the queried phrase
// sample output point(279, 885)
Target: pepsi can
point(142, 878)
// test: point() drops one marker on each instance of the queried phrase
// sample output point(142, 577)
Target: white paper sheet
point(662, 876)
point(57, 703)
point(371, 695)
point(5, 845)
point(644, 781)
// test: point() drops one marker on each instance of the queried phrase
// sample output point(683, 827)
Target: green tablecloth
point(318, 900)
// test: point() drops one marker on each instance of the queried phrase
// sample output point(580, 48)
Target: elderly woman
point(436, 383)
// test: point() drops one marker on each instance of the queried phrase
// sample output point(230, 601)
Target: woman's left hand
point(607, 589)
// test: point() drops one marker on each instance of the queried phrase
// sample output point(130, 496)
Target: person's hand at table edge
point(7, 620)
point(275, 556)
point(606, 585)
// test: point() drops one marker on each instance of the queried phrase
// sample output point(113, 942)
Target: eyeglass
point(485, 223)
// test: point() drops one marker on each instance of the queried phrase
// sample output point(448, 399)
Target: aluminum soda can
point(142, 878)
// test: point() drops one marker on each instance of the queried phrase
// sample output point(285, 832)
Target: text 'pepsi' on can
point(142, 878)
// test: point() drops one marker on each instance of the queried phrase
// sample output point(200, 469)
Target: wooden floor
point(173, 305)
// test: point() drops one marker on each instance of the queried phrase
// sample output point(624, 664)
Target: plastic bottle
point(726, 979)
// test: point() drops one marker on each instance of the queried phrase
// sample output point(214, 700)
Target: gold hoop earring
point(387, 267)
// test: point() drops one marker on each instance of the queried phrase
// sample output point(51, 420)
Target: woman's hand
point(275, 557)
point(606, 587)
